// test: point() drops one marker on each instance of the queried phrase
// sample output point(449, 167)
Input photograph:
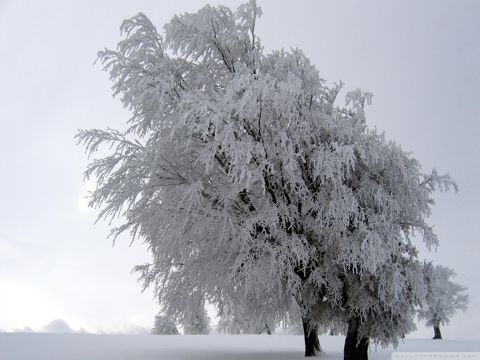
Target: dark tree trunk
point(310, 333)
point(436, 331)
point(355, 348)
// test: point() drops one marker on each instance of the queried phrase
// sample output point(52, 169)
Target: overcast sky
point(421, 60)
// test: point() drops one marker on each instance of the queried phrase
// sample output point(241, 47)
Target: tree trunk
point(436, 331)
point(355, 348)
point(310, 333)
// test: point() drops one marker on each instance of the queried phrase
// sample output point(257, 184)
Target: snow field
point(16, 346)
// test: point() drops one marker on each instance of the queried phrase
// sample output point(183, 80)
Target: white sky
point(420, 59)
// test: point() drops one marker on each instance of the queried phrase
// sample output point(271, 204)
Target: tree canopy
point(252, 187)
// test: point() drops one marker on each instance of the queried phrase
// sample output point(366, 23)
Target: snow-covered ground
point(15, 346)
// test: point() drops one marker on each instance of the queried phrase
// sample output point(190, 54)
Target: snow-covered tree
point(196, 323)
point(251, 187)
point(189, 309)
point(383, 282)
point(241, 325)
point(444, 297)
point(230, 325)
point(164, 326)
point(195, 319)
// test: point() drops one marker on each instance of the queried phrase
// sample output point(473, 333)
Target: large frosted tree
point(251, 187)
point(444, 297)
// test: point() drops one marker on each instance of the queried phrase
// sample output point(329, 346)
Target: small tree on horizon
point(196, 321)
point(444, 297)
point(164, 326)
point(235, 326)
